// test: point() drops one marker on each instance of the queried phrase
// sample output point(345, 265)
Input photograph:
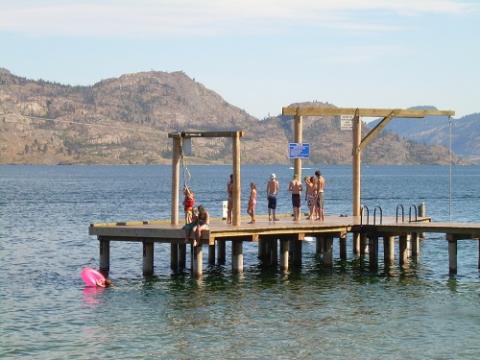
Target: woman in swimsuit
point(310, 194)
point(252, 202)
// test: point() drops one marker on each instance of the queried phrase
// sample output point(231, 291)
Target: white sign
point(346, 122)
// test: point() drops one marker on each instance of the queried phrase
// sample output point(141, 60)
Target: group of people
point(197, 218)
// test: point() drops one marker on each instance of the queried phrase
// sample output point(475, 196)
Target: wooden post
point(176, 152)
point(298, 138)
point(197, 260)
point(237, 256)
point(328, 255)
point(104, 256)
point(356, 243)
point(182, 256)
point(356, 162)
point(174, 255)
point(343, 246)
point(284, 245)
point(388, 250)
point(409, 245)
point(363, 244)
point(373, 252)
point(236, 180)
point(320, 245)
point(221, 245)
point(452, 254)
point(148, 258)
point(403, 251)
point(479, 255)
point(261, 249)
point(422, 212)
point(415, 241)
point(297, 257)
point(274, 251)
point(211, 254)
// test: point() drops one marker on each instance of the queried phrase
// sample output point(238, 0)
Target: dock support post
point(356, 243)
point(284, 245)
point(148, 258)
point(174, 255)
point(261, 249)
point(422, 212)
point(197, 260)
point(328, 254)
point(320, 245)
point(274, 251)
point(409, 245)
point(297, 255)
point(388, 250)
point(221, 245)
point(415, 241)
point(373, 252)
point(104, 256)
point(363, 245)
point(182, 256)
point(452, 254)
point(343, 246)
point(211, 254)
point(237, 256)
point(402, 250)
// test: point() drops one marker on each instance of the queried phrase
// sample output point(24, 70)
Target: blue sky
point(259, 55)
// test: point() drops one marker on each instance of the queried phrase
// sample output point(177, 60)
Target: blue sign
point(298, 151)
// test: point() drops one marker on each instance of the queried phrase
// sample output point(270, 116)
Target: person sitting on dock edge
point(272, 192)
point(295, 187)
point(201, 224)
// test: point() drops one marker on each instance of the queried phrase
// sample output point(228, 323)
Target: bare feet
point(276, 219)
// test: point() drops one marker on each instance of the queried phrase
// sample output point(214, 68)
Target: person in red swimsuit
point(188, 204)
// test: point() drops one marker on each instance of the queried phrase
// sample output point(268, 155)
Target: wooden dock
point(281, 241)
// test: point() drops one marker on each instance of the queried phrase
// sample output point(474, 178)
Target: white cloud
point(143, 18)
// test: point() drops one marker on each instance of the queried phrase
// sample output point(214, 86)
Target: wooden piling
point(274, 251)
point(422, 212)
point(211, 254)
point(452, 254)
point(104, 257)
point(174, 255)
point(363, 245)
point(388, 250)
point(328, 254)
point(197, 260)
point(373, 252)
point(320, 245)
point(356, 243)
point(237, 256)
point(182, 256)
point(343, 246)
point(284, 245)
point(221, 252)
point(148, 252)
point(297, 256)
point(409, 245)
point(402, 250)
point(415, 241)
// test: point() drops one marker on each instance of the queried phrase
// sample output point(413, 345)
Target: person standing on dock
point(272, 191)
point(319, 187)
point(310, 195)
point(295, 187)
point(230, 199)
point(252, 202)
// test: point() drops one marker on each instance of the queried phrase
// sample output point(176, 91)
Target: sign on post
point(298, 151)
point(346, 122)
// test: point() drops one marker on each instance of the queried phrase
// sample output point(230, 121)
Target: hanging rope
point(450, 126)
point(186, 173)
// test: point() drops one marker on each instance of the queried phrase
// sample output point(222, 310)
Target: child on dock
point(188, 203)
point(252, 202)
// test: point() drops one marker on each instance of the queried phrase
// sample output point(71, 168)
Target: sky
point(259, 55)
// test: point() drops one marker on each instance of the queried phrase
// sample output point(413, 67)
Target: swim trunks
point(296, 200)
point(272, 202)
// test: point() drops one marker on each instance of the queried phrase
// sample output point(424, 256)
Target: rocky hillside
point(126, 120)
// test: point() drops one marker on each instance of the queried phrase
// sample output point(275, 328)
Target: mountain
point(126, 120)
point(435, 130)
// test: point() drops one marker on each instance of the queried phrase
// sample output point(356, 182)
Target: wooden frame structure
point(177, 155)
point(359, 143)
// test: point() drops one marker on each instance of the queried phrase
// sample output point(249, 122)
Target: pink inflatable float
point(92, 277)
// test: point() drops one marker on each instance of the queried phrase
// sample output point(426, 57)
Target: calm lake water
point(347, 312)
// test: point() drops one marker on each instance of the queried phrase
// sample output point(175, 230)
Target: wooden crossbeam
point(376, 130)
point(209, 134)
point(366, 112)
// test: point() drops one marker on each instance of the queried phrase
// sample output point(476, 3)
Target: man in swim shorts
point(320, 186)
point(272, 191)
point(295, 187)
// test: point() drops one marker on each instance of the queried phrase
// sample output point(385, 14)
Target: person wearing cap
point(272, 191)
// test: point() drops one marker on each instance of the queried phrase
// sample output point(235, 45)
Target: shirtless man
point(319, 187)
point(295, 187)
point(311, 196)
point(272, 192)
point(230, 199)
